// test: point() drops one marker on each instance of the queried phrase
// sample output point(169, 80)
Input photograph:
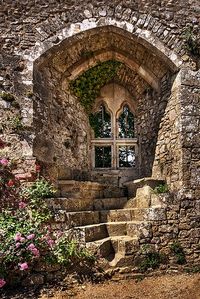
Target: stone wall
point(177, 221)
point(148, 38)
point(30, 28)
point(46, 44)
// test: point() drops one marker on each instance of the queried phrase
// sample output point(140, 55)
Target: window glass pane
point(126, 123)
point(126, 156)
point(101, 123)
point(103, 156)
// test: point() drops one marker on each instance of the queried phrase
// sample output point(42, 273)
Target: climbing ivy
point(87, 86)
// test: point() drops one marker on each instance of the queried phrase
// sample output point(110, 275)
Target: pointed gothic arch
point(145, 68)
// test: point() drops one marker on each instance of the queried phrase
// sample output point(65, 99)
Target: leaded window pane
point(101, 123)
point(126, 156)
point(103, 156)
point(126, 123)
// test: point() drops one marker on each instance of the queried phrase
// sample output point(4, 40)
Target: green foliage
point(150, 259)
point(27, 238)
point(16, 124)
point(194, 269)
point(41, 188)
point(8, 97)
point(162, 188)
point(69, 251)
point(191, 41)
point(177, 250)
point(87, 86)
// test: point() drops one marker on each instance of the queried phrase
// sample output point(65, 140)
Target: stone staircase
point(110, 222)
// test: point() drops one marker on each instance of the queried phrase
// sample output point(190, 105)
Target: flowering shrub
point(26, 237)
point(40, 189)
point(25, 241)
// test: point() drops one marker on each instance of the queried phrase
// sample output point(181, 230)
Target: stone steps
point(83, 204)
point(99, 231)
point(108, 222)
point(110, 203)
point(82, 218)
point(78, 189)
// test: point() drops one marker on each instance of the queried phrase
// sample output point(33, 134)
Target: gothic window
point(114, 142)
point(101, 123)
point(126, 123)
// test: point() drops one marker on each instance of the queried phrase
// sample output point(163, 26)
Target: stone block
point(116, 229)
point(95, 232)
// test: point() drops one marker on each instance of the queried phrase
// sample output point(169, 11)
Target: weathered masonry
point(109, 93)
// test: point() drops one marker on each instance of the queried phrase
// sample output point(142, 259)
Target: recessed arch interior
point(144, 73)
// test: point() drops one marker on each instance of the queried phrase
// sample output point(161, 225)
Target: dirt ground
point(179, 286)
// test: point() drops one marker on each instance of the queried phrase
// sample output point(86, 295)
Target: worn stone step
point(125, 244)
point(82, 218)
point(110, 203)
point(94, 232)
point(84, 204)
point(114, 191)
point(114, 246)
point(70, 204)
point(122, 215)
point(72, 219)
point(79, 189)
point(121, 260)
point(88, 189)
point(102, 230)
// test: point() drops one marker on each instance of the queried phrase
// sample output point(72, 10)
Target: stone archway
point(62, 126)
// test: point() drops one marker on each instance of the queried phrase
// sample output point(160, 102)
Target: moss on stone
point(8, 97)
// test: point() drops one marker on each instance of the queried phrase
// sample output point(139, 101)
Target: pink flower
point(2, 282)
point(31, 236)
point(18, 237)
point(4, 162)
point(17, 245)
point(50, 242)
point(34, 250)
point(31, 246)
point(22, 205)
point(23, 266)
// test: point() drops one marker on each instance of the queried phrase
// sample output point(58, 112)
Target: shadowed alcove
point(142, 82)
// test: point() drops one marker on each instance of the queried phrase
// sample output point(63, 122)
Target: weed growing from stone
point(16, 124)
point(178, 251)
point(8, 97)
point(151, 259)
point(162, 188)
